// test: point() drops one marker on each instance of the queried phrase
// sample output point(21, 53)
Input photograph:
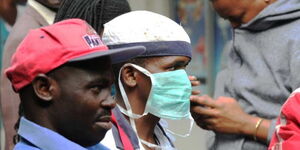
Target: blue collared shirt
point(36, 137)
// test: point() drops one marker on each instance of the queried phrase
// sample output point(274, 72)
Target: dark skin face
point(239, 12)
point(137, 86)
point(155, 65)
point(81, 104)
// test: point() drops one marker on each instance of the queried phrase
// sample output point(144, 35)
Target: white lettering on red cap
point(92, 38)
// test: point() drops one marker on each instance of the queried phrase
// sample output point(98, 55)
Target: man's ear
point(128, 76)
point(43, 87)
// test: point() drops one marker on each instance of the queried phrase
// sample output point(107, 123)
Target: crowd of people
point(62, 58)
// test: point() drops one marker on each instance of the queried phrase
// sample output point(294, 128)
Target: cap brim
point(117, 55)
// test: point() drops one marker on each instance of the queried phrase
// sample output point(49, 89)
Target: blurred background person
point(95, 12)
point(261, 73)
point(8, 10)
point(36, 14)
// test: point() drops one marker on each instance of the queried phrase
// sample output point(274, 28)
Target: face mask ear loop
point(124, 95)
point(131, 115)
point(128, 111)
point(189, 131)
point(147, 73)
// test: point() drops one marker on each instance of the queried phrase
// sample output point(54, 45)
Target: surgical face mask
point(168, 99)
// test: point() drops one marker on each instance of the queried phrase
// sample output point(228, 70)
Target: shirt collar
point(46, 13)
point(121, 120)
point(44, 138)
point(163, 138)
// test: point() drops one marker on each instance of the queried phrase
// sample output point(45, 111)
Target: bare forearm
point(225, 115)
point(254, 129)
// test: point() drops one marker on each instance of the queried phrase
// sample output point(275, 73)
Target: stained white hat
point(159, 34)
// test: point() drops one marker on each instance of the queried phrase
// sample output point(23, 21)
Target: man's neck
point(145, 125)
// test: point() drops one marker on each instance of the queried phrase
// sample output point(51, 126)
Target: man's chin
point(105, 125)
point(94, 141)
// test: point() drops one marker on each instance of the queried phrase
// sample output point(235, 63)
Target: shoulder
point(25, 146)
point(29, 20)
point(290, 31)
point(98, 147)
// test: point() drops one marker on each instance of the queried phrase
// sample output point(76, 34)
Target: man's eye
point(174, 68)
point(171, 68)
point(96, 88)
point(177, 67)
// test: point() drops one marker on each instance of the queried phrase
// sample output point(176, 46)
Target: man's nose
point(109, 102)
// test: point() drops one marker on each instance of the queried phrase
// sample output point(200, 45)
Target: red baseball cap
point(49, 47)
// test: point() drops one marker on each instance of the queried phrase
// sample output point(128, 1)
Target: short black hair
point(94, 12)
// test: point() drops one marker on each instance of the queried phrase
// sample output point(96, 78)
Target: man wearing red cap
point(63, 76)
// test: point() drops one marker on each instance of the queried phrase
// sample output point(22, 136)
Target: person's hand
point(194, 82)
point(222, 115)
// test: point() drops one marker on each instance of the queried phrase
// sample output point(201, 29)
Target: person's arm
point(226, 116)
point(257, 127)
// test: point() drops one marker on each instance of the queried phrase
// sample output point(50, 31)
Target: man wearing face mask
point(262, 71)
point(153, 86)
point(37, 13)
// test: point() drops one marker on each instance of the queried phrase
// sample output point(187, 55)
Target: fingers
point(201, 121)
point(203, 112)
point(194, 81)
point(207, 124)
point(205, 101)
point(196, 92)
point(192, 78)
